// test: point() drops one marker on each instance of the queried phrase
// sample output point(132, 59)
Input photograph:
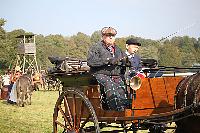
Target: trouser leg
point(112, 92)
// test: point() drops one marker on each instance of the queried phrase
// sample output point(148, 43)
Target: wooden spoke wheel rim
point(73, 113)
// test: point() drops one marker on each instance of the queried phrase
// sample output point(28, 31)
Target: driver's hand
point(113, 61)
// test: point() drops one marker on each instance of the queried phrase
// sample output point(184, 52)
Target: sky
point(149, 19)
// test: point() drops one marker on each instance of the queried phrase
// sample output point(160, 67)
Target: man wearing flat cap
point(132, 46)
point(103, 59)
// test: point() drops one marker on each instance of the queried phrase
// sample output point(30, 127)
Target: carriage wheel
point(74, 113)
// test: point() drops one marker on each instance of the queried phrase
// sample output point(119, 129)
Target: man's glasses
point(109, 35)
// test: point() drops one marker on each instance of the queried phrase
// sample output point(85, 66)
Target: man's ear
point(127, 46)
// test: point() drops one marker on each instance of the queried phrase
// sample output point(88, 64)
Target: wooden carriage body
point(80, 102)
point(155, 96)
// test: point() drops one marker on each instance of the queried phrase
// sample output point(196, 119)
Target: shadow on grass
point(116, 128)
point(8, 102)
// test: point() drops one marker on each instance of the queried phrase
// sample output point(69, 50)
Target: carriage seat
point(153, 72)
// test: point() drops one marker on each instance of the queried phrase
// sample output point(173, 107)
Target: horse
point(24, 90)
point(188, 97)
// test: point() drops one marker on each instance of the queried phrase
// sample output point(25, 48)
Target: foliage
point(178, 51)
point(82, 43)
point(169, 55)
point(121, 43)
point(149, 52)
point(95, 37)
point(2, 31)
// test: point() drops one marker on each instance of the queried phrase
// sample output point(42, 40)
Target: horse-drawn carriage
point(173, 96)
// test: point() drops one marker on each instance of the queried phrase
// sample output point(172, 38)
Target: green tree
point(2, 31)
point(51, 45)
point(121, 42)
point(188, 51)
point(197, 47)
point(57, 40)
point(169, 55)
point(188, 59)
point(82, 42)
point(6, 48)
point(95, 37)
point(149, 52)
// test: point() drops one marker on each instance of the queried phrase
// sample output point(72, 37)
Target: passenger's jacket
point(99, 59)
point(136, 63)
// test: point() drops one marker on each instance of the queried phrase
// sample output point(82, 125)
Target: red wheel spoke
point(61, 125)
point(63, 113)
point(74, 109)
point(67, 109)
point(80, 114)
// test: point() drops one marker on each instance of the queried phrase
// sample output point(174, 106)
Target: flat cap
point(133, 41)
point(108, 31)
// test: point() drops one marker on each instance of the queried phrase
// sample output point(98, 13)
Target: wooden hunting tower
point(26, 53)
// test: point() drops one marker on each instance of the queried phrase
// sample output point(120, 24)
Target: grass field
point(35, 118)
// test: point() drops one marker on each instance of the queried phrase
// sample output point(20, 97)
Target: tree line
point(177, 51)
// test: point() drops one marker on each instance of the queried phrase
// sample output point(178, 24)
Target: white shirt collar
point(129, 55)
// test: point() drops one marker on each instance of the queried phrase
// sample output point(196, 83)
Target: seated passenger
point(132, 46)
point(103, 58)
point(134, 74)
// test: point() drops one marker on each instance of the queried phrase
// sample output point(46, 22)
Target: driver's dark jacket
point(97, 59)
point(112, 88)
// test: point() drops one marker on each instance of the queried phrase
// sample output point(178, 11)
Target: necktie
point(112, 49)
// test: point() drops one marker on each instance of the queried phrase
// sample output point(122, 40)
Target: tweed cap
point(133, 41)
point(108, 31)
